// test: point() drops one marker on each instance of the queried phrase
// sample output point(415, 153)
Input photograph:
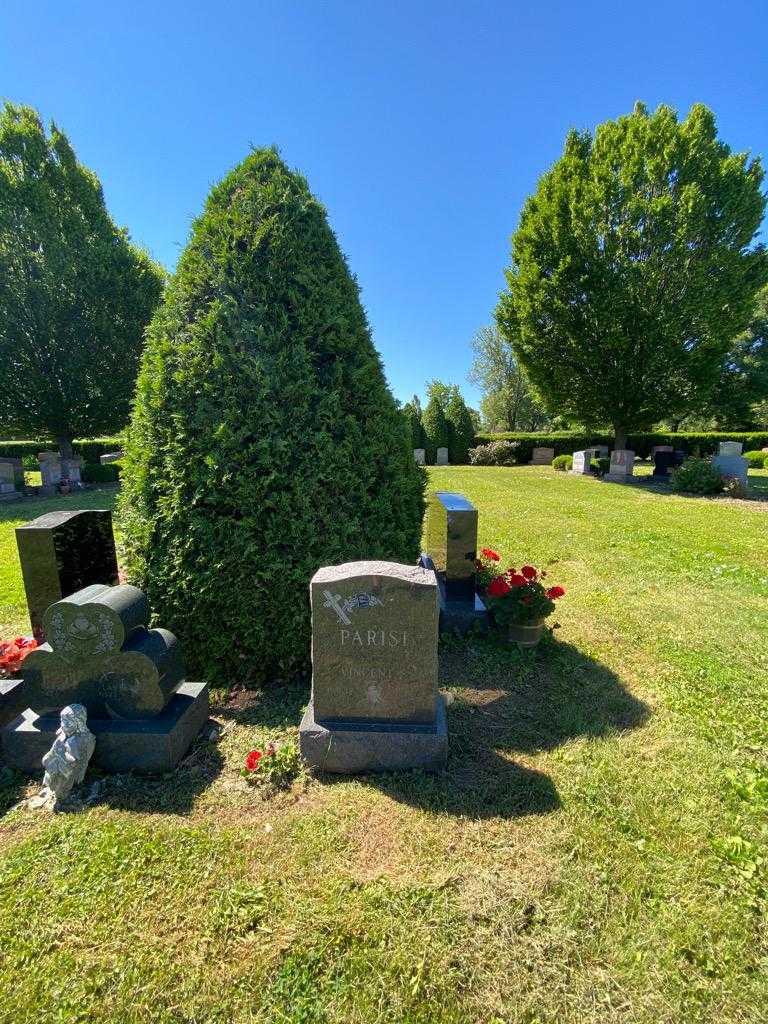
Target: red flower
point(554, 592)
point(498, 587)
point(489, 553)
point(517, 581)
point(529, 572)
point(252, 761)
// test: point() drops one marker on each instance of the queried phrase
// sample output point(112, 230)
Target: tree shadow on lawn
point(511, 702)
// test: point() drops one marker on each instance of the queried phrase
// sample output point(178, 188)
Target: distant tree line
point(445, 422)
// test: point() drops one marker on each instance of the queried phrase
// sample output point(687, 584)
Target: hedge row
point(89, 450)
point(566, 443)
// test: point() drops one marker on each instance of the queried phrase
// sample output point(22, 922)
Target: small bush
point(562, 463)
point(756, 459)
point(497, 453)
point(95, 473)
point(697, 476)
point(765, 462)
point(600, 466)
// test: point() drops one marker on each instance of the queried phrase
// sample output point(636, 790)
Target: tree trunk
point(65, 450)
point(620, 437)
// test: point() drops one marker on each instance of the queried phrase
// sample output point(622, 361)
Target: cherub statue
point(67, 760)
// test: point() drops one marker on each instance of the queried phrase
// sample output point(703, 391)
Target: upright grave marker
point(419, 456)
point(582, 462)
point(542, 456)
point(441, 458)
point(451, 550)
point(375, 704)
point(730, 462)
point(62, 552)
point(622, 465)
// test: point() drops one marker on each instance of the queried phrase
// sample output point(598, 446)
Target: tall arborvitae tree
point(461, 429)
point(435, 428)
point(75, 295)
point(633, 267)
point(265, 442)
point(412, 413)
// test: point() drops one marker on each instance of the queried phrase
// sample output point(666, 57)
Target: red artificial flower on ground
point(529, 572)
point(13, 652)
point(498, 587)
point(252, 760)
point(490, 553)
point(555, 592)
point(515, 580)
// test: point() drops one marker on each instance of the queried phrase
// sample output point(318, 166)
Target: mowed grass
point(595, 850)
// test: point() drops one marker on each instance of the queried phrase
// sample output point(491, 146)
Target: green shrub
point(600, 465)
point(697, 476)
point(461, 430)
point(95, 473)
point(264, 442)
point(756, 459)
point(497, 453)
point(562, 463)
point(765, 463)
point(91, 450)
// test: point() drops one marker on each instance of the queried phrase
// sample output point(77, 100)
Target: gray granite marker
point(375, 704)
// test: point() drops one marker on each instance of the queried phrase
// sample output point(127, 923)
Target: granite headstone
point(375, 704)
point(419, 456)
point(441, 458)
point(62, 552)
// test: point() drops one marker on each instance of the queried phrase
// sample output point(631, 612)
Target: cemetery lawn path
point(594, 852)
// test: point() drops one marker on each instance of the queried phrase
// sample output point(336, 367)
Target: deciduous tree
point(633, 267)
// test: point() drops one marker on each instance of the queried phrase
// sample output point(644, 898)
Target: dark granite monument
point(101, 654)
point(451, 550)
point(62, 552)
point(375, 704)
point(663, 461)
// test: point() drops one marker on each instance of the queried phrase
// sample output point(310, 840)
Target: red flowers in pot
point(519, 600)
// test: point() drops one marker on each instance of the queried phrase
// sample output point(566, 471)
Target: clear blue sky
point(422, 126)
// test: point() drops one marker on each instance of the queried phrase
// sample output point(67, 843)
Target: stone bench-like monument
point(100, 653)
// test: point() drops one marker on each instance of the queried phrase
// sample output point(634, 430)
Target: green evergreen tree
point(75, 295)
point(435, 428)
point(265, 442)
point(633, 268)
point(412, 413)
point(461, 430)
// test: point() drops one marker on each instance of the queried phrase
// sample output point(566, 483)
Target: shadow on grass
point(509, 702)
point(172, 793)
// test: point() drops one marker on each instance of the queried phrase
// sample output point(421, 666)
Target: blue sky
point(422, 126)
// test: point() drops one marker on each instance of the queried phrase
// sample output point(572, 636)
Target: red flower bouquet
point(12, 653)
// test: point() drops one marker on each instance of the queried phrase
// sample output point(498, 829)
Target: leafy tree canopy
point(633, 267)
point(75, 295)
point(508, 402)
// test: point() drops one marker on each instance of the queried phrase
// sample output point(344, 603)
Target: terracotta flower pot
point(525, 635)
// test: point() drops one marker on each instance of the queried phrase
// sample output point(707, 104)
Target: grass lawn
point(594, 852)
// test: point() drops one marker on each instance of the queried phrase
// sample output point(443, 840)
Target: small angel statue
point(67, 760)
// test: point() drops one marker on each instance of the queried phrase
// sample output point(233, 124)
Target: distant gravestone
point(420, 456)
point(730, 462)
point(582, 462)
point(9, 479)
point(375, 704)
point(661, 448)
point(442, 457)
point(663, 461)
point(622, 465)
point(111, 457)
point(542, 456)
point(71, 470)
point(50, 470)
point(62, 552)
point(601, 451)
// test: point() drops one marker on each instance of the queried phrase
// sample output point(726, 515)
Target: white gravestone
point(581, 462)
point(622, 465)
point(50, 469)
point(730, 461)
point(420, 456)
point(442, 457)
point(730, 448)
